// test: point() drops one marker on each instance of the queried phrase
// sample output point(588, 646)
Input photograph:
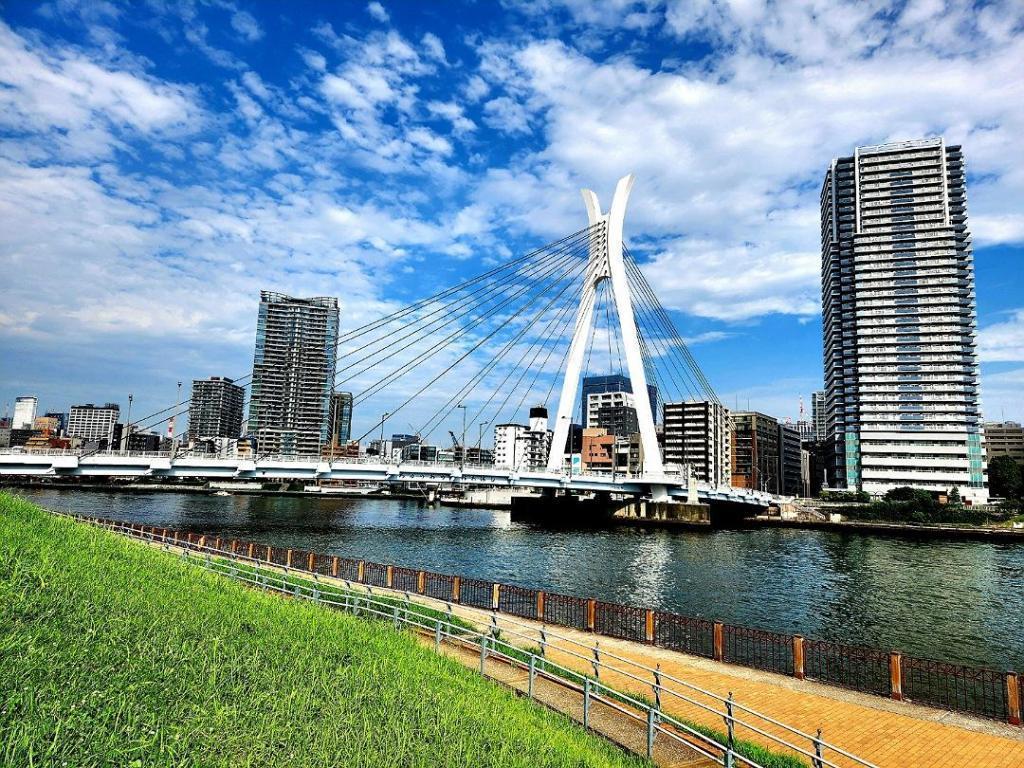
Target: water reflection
point(960, 601)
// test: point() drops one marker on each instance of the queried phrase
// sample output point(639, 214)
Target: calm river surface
point(956, 601)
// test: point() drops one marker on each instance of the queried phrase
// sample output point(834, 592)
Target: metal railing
point(512, 642)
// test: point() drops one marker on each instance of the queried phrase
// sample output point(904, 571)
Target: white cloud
point(1004, 341)
point(730, 153)
point(376, 10)
point(434, 47)
point(1001, 395)
point(246, 25)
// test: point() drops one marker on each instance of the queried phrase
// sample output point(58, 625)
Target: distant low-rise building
point(755, 451)
point(598, 454)
point(95, 424)
point(1004, 438)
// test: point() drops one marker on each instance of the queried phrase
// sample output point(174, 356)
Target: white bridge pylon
point(606, 263)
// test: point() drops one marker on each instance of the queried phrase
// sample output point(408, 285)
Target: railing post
point(533, 675)
point(596, 663)
point(657, 686)
point(455, 589)
point(649, 625)
point(495, 594)
point(389, 576)
point(817, 763)
point(362, 568)
point(591, 613)
point(202, 542)
point(483, 652)
point(1013, 704)
point(719, 641)
point(421, 582)
point(437, 636)
point(730, 733)
point(896, 675)
point(396, 616)
point(540, 605)
point(543, 643)
point(651, 722)
point(798, 657)
point(586, 702)
point(334, 566)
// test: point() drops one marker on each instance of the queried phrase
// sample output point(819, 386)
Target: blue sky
point(160, 163)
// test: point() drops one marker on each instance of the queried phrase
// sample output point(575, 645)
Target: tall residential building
point(697, 434)
point(91, 423)
point(609, 384)
point(755, 451)
point(215, 409)
point(24, 412)
point(901, 372)
point(340, 422)
point(1004, 438)
point(293, 373)
point(614, 412)
point(818, 419)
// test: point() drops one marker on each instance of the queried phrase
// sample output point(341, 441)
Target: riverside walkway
point(884, 732)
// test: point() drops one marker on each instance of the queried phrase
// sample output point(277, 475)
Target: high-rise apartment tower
point(901, 372)
point(215, 409)
point(293, 373)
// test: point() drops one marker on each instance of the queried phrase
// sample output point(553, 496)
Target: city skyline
point(176, 243)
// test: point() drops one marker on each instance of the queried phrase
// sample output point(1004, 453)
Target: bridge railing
point(976, 691)
point(613, 681)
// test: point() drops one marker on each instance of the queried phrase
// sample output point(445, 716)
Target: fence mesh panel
point(758, 648)
point(375, 574)
point(518, 601)
point(405, 579)
point(439, 585)
point(686, 634)
point(475, 592)
point(622, 621)
point(954, 686)
point(848, 666)
point(565, 610)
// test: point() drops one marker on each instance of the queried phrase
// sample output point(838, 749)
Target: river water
point(955, 601)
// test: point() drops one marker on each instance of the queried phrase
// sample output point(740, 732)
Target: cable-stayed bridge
point(478, 353)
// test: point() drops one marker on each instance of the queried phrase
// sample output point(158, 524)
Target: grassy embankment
point(116, 654)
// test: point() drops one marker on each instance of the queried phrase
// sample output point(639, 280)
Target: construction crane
point(455, 440)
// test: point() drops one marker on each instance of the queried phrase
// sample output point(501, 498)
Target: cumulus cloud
point(245, 24)
point(1003, 341)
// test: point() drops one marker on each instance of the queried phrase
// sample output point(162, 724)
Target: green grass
point(116, 654)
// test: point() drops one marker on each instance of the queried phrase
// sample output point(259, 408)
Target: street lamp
point(128, 439)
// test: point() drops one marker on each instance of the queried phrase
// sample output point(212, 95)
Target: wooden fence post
point(1013, 706)
point(455, 589)
point(540, 605)
point(389, 576)
point(361, 570)
point(334, 566)
point(288, 559)
point(798, 657)
point(591, 614)
point(216, 544)
point(896, 676)
point(719, 641)
point(421, 582)
point(495, 593)
point(312, 562)
point(251, 550)
point(649, 625)
point(270, 554)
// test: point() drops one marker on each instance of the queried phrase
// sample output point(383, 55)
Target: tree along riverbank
point(116, 654)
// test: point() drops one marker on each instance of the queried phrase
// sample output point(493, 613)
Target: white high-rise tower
point(901, 372)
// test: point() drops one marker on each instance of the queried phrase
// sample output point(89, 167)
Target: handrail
point(529, 633)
